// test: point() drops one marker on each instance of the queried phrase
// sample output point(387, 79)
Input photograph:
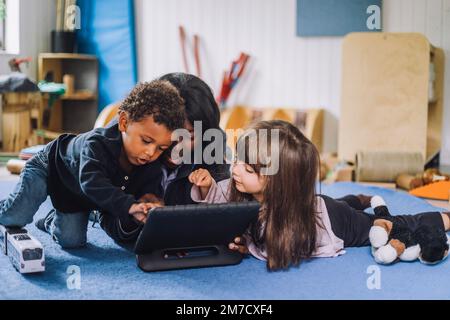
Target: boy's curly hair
point(157, 98)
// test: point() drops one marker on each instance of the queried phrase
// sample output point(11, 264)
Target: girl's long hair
point(286, 228)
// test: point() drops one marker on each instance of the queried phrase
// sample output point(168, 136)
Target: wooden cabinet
point(385, 98)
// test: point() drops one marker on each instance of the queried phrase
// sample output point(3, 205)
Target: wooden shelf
point(75, 112)
point(68, 56)
point(81, 96)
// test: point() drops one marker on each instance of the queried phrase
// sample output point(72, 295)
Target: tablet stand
point(195, 257)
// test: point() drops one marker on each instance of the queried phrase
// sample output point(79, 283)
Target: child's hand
point(140, 217)
point(139, 211)
point(238, 245)
point(202, 179)
point(142, 207)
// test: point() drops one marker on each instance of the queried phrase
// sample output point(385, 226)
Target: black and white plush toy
point(393, 240)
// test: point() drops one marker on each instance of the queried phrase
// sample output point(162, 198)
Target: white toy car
point(3, 237)
point(25, 252)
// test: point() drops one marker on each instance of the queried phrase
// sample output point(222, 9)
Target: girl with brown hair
point(294, 222)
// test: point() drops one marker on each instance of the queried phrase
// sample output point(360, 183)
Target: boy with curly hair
point(103, 169)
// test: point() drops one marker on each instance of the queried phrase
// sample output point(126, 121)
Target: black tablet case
point(202, 230)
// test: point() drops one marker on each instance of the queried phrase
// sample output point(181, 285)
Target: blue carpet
point(109, 271)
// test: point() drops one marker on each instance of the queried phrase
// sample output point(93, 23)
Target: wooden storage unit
point(385, 103)
point(309, 121)
point(21, 114)
point(75, 112)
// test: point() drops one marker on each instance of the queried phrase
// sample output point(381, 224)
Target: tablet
point(197, 235)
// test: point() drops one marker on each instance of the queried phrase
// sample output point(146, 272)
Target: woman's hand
point(202, 179)
point(239, 245)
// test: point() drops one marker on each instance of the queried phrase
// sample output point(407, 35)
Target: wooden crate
point(21, 114)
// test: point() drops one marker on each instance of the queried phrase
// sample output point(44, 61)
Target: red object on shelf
point(15, 63)
point(231, 77)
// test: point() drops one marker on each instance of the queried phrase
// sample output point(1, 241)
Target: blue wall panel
point(108, 31)
point(335, 17)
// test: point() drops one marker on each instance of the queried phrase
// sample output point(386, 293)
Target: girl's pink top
point(327, 243)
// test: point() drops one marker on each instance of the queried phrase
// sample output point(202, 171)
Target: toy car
point(25, 252)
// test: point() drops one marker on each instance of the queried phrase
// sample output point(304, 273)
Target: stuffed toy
point(393, 240)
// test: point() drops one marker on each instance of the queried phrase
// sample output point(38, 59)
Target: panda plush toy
point(393, 240)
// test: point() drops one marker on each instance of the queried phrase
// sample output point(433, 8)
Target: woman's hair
point(286, 228)
point(200, 104)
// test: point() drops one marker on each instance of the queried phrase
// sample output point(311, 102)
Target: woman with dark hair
point(201, 108)
point(170, 185)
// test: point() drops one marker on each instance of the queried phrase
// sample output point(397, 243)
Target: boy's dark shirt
point(84, 173)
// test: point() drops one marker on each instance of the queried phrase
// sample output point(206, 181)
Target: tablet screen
point(195, 225)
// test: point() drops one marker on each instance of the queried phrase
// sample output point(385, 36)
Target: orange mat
point(437, 190)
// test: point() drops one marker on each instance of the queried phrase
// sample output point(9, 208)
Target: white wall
point(286, 70)
point(36, 20)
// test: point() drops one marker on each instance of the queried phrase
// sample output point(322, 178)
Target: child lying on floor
point(294, 222)
point(99, 170)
